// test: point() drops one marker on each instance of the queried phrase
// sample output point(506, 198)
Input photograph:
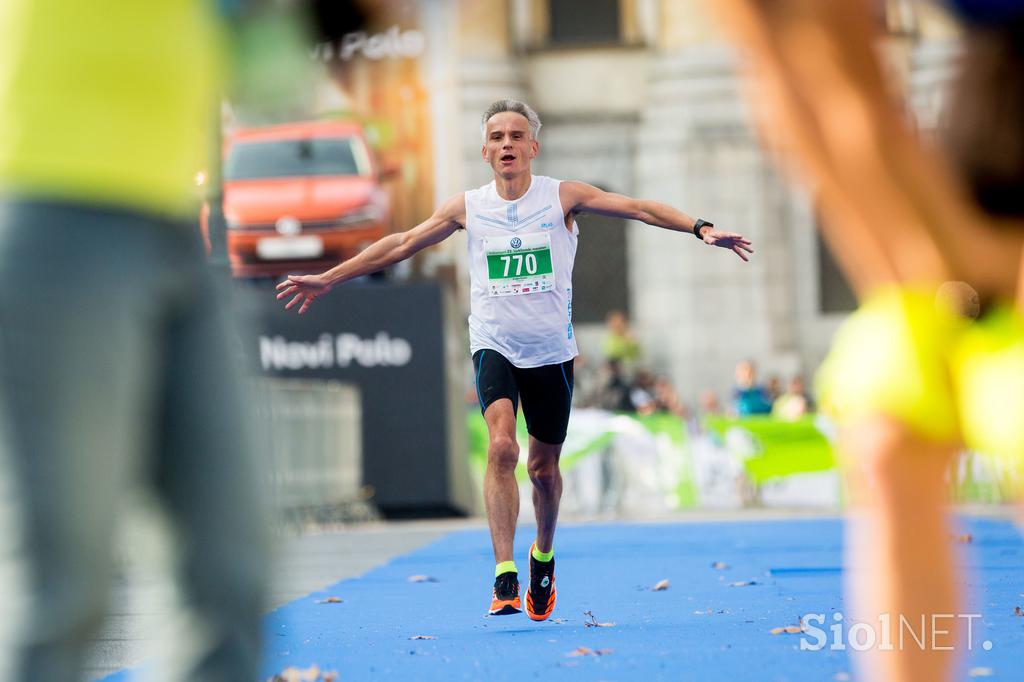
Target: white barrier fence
point(313, 435)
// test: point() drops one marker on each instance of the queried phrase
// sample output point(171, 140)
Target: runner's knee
point(890, 460)
point(543, 472)
point(503, 452)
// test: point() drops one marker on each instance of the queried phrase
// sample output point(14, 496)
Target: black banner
point(388, 339)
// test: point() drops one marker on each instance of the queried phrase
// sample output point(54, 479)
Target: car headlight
point(362, 215)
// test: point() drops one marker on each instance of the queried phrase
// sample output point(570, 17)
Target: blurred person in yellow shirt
point(115, 366)
point(619, 342)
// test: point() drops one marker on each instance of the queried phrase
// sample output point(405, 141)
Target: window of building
point(834, 292)
point(584, 21)
point(600, 277)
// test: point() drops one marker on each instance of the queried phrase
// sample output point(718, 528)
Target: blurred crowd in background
point(621, 379)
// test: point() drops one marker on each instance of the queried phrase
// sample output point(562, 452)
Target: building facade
point(642, 97)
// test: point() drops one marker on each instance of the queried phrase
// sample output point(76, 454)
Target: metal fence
point(314, 438)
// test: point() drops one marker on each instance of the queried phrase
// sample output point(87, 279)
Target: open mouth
point(507, 158)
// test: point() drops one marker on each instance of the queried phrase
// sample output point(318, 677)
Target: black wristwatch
point(699, 224)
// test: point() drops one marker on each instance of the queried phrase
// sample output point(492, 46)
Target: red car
point(300, 197)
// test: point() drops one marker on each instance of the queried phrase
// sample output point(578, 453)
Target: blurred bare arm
point(387, 251)
point(894, 212)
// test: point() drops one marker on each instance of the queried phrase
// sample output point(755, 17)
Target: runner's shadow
point(520, 630)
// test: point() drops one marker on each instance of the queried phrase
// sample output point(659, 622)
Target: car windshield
point(292, 158)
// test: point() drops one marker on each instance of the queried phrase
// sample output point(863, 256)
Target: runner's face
point(509, 147)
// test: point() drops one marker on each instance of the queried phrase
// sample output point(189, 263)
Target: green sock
point(505, 567)
point(542, 556)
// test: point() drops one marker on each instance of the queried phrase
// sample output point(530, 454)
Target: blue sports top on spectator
point(753, 400)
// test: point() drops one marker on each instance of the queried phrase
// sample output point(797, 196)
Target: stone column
point(703, 309)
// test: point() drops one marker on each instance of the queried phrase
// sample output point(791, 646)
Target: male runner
point(522, 236)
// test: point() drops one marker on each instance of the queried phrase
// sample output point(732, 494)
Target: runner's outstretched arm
point(896, 212)
point(386, 251)
point(579, 197)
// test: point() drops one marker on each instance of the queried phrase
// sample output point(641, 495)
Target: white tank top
point(520, 270)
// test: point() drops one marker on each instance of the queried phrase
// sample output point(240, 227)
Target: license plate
point(286, 248)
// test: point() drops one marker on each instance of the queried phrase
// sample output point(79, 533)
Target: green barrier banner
point(637, 441)
point(781, 448)
point(659, 457)
point(586, 436)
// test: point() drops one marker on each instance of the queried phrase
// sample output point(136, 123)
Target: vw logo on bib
point(516, 242)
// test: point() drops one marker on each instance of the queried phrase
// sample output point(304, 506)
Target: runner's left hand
point(736, 243)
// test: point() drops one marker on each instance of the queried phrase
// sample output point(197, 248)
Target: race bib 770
point(519, 264)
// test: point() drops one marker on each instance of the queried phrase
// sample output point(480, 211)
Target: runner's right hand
point(304, 288)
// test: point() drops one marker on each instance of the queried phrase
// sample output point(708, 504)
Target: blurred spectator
point(749, 397)
point(586, 382)
point(773, 387)
point(794, 403)
point(619, 342)
point(709, 403)
point(667, 400)
point(615, 389)
point(641, 393)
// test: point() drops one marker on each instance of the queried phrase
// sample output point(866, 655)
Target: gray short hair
point(516, 106)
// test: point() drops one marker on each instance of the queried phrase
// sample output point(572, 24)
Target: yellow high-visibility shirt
point(107, 101)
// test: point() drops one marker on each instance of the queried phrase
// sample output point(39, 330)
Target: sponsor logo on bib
point(516, 242)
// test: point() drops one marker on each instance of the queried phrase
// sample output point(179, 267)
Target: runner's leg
point(899, 550)
point(542, 465)
point(547, 400)
point(499, 400)
point(501, 493)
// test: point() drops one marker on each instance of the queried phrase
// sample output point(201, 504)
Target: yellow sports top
point(947, 378)
point(106, 100)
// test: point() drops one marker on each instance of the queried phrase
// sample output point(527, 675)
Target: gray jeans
point(115, 367)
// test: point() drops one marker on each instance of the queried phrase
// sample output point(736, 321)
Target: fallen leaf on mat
point(1018, 611)
point(789, 630)
point(330, 600)
point(423, 637)
point(965, 538)
point(743, 583)
point(422, 579)
point(719, 565)
point(310, 674)
point(662, 585)
point(330, 676)
point(584, 651)
point(980, 672)
point(592, 623)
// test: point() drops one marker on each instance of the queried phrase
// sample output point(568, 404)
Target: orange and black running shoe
point(540, 595)
point(505, 600)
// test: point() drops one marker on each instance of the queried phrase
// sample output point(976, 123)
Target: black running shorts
point(546, 392)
